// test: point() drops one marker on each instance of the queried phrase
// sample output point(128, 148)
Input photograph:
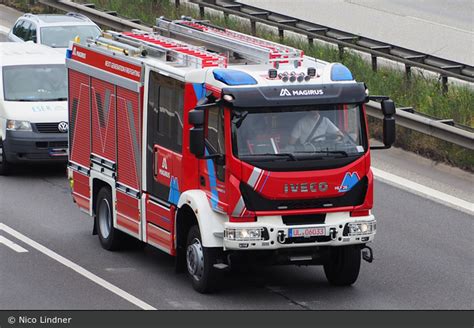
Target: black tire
point(110, 238)
point(4, 167)
point(205, 278)
point(343, 265)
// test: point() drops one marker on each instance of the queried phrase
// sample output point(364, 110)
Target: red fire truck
point(220, 148)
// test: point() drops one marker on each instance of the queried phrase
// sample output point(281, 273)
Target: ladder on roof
point(246, 46)
point(169, 50)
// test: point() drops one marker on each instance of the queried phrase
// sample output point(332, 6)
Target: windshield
point(298, 133)
point(59, 36)
point(35, 83)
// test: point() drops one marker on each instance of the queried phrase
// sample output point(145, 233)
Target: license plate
point(306, 232)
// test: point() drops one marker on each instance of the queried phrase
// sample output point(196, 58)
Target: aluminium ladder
point(252, 48)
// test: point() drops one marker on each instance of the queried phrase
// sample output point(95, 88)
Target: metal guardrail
point(442, 129)
point(343, 39)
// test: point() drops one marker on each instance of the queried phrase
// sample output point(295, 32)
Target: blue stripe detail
point(164, 218)
point(174, 194)
point(212, 181)
point(199, 90)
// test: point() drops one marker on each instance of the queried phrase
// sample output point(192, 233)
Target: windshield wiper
point(327, 152)
point(288, 155)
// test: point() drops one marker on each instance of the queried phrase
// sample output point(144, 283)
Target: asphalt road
point(438, 27)
point(423, 259)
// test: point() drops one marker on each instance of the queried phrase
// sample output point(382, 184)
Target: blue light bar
point(340, 72)
point(233, 77)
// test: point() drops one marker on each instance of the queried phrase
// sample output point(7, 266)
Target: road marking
point(17, 248)
point(85, 273)
point(4, 29)
point(440, 24)
point(424, 191)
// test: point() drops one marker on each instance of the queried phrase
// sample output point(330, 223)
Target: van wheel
point(4, 167)
point(343, 265)
point(110, 238)
point(200, 262)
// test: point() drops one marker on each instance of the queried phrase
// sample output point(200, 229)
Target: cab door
point(164, 156)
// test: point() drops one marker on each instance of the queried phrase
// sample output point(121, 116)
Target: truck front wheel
point(110, 238)
point(343, 265)
point(200, 262)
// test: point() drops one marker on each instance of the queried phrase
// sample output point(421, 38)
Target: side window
point(32, 34)
point(215, 137)
point(16, 27)
point(215, 130)
point(167, 96)
point(22, 30)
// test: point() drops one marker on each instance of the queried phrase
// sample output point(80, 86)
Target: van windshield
point(35, 83)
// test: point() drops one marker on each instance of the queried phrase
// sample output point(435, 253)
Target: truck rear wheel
point(343, 265)
point(110, 238)
point(200, 262)
point(3, 160)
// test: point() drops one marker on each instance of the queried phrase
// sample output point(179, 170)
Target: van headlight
point(13, 125)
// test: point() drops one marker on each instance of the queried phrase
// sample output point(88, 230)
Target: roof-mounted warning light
point(340, 72)
point(283, 76)
point(292, 77)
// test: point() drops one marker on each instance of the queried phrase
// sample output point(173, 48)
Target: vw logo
point(63, 127)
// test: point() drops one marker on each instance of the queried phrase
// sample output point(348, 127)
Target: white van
point(33, 104)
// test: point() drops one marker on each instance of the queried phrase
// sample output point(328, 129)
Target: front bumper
point(277, 235)
point(27, 146)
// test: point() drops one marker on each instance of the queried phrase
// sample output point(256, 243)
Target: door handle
point(155, 161)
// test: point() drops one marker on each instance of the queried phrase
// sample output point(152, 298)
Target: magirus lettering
point(308, 92)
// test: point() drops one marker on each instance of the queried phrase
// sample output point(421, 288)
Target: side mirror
point(388, 110)
point(196, 141)
point(389, 130)
point(388, 107)
point(196, 117)
point(196, 134)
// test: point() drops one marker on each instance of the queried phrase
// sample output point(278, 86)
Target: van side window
point(167, 96)
point(17, 27)
point(22, 30)
point(32, 33)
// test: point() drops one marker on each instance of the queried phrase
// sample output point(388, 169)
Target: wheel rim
point(1, 154)
point(195, 259)
point(105, 218)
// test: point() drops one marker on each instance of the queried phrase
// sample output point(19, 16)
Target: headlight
point(361, 228)
point(13, 125)
point(243, 234)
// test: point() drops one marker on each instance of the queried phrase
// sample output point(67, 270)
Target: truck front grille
point(256, 202)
